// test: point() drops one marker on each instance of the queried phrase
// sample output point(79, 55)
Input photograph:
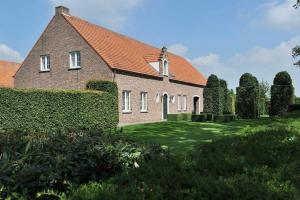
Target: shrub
point(105, 86)
point(213, 96)
point(174, 117)
point(187, 116)
point(44, 110)
point(199, 118)
point(227, 99)
point(224, 118)
point(282, 94)
point(248, 95)
point(33, 162)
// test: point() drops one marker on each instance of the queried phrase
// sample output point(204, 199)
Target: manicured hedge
point(213, 96)
point(224, 118)
point(282, 94)
point(199, 118)
point(105, 86)
point(43, 110)
point(248, 96)
point(179, 117)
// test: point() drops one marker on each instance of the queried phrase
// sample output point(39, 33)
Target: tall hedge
point(227, 100)
point(213, 96)
point(248, 97)
point(44, 110)
point(282, 93)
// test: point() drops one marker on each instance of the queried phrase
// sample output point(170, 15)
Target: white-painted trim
point(162, 105)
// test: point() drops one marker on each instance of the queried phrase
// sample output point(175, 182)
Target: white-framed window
point(184, 102)
point(166, 68)
point(144, 101)
point(126, 101)
point(45, 63)
point(75, 60)
point(179, 102)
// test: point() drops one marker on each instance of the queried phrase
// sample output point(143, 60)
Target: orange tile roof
point(7, 71)
point(124, 53)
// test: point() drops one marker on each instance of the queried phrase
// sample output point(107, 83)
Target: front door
point(165, 106)
point(196, 106)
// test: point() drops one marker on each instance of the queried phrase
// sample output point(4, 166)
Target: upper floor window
point(166, 68)
point(126, 101)
point(144, 101)
point(45, 63)
point(75, 59)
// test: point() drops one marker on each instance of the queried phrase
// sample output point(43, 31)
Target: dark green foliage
point(105, 86)
point(224, 118)
point(283, 78)
point(263, 165)
point(213, 96)
point(179, 117)
point(199, 118)
point(227, 99)
point(294, 107)
point(213, 81)
point(44, 110)
point(33, 162)
point(282, 94)
point(248, 97)
point(247, 80)
point(297, 100)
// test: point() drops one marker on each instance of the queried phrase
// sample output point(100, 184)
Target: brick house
point(7, 72)
point(152, 82)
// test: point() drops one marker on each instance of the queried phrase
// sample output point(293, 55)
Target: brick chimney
point(62, 10)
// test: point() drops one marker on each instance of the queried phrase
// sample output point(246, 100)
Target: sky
point(228, 40)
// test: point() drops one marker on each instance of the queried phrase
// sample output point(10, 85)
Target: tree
point(296, 50)
point(264, 89)
point(282, 93)
point(247, 97)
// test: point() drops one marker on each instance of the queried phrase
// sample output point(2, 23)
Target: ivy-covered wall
point(43, 110)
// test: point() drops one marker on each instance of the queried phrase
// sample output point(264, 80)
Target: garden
point(48, 154)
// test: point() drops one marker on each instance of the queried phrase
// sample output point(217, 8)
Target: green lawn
point(181, 137)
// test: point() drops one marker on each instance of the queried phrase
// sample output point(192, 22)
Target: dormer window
point(166, 68)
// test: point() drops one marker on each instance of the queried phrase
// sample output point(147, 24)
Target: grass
point(181, 137)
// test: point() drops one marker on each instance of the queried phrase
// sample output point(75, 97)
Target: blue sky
point(226, 39)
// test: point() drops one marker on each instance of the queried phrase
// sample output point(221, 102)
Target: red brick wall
point(58, 40)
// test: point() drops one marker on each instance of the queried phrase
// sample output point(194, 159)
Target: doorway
point(165, 106)
point(196, 109)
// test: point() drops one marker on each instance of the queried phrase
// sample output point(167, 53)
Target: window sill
point(144, 111)
point(44, 71)
point(126, 112)
point(74, 68)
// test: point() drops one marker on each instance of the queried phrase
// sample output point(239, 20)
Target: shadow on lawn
point(181, 137)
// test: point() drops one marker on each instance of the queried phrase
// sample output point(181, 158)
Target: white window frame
point(179, 99)
point(126, 101)
point(45, 63)
point(184, 102)
point(76, 63)
point(144, 102)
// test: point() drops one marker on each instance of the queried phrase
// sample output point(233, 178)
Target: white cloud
point(7, 53)
point(178, 49)
point(264, 63)
point(281, 14)
point(112, 13)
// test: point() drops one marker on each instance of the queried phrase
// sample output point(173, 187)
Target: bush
point(281, 95)
point(33, 162)
point(199, 118)
point(261, 165)
point(179, 117)
point(105, 86)
point(224, 118)
point(248, 95)
point(213, 96)
point(44, 110)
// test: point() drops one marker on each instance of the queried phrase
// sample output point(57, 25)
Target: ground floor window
point(179, 103)
point(126, 101)
point(184, 102)
point(144, 101)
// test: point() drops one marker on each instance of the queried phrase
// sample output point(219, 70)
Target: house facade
point(151, 82)
point(7, 72)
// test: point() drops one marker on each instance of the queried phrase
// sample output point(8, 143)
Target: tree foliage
point(248, 97)
point(282, 94)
